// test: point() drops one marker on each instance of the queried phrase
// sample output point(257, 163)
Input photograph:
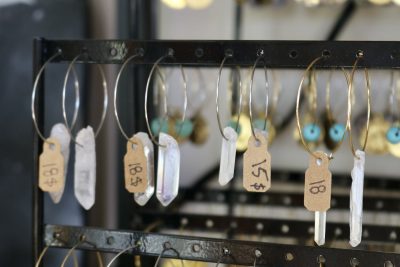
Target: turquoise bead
point(311, 132)
point(336, 132)
point(393, 135)
point(156, 126)
point(233, 124)
point(260, 123)
point(184, 128)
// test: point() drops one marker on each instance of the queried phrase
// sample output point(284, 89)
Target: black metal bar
point(285, 199)
point(37, 194)
point(268, 227)
point(345, 15)
point(210, 249)
point(278, 54)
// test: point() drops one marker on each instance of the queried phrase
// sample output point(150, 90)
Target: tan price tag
point(51, 167)
point(257, 165)
point(135, 165)
point(318, 183)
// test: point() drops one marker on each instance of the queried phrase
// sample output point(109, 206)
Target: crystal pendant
point(142, 198)
point(167, 169)
point(320, 227)
point(356, 199)
point(228, 156)
point(85, 168)
point(60, 132)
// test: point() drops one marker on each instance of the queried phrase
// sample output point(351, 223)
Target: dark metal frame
point(278, 54)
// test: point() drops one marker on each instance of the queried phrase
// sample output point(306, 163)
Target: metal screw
point(226, 251)
point(196, 247)
point(260, 52)
point(229, 53)
point(257, 253)
point(199, 52)
point(167, 245)
point(321, 259)
point(360, 53)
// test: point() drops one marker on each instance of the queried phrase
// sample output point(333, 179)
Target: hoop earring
point(139, 157)
point(85, 151)
point(257, 160)
point(72, 251)
point(357, 173)
point(53, 161)
point(229, 135)
point(168, 149)
point(335, 131)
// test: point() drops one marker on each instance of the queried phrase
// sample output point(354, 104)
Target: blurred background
point(21, 21)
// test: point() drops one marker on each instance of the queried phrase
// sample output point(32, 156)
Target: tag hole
point(319, 162)
point(134, 146)
point(52, 146)
point(258, 143)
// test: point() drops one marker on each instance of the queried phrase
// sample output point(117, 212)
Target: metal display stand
point(277, 54)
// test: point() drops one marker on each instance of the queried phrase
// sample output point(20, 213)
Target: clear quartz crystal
point(85, 168)
point(320, 227)
point(142, 198)
point(60, 132)
point(167, 169)
point(356, 199)
point(228, 156)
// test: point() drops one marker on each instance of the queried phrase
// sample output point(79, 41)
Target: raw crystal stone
point(60, 132)
point(142, 198)
point(320, 227)
point(356, 199)
point(167, 169)
point(85, 168)
point(228, 156)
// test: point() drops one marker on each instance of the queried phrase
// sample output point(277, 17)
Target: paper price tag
point(51, 167)
point(257, 164)
point(318, 183)
point(135, 166)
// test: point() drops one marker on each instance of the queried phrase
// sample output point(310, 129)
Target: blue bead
point(336, 132)
point(393, 135)
point(260, 124)
point(311, 132)
point(184, 129)
point(234, 125)
point(156, 126)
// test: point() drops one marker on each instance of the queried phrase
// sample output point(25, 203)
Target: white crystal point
point(356, 199)
point(85, 168)
point(228, 156)
point(60, 132)
point(142, 198)
point(320, 227)
point(167, 169)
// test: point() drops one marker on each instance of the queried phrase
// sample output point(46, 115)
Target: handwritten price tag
point(51, 166)
point(257, 165)
point(135, 166)
point(318, 183)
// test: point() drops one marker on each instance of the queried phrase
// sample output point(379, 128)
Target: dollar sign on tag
point(318, 183)
point(135, 165)
point(257, 165)
point(51, 166)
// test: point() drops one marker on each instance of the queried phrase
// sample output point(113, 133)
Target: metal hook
point(105, 100)
point(35, 85)
point(122, 252)
point(229, 55)
point(257, 254)
point(170, 54)
point(166, 247)
point(261, 56)
point(225, 252)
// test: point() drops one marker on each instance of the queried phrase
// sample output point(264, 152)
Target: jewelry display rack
point(277, 54)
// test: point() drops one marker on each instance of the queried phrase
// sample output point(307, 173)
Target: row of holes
point(197, 248)
point(242, 198)
point(285, 229)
